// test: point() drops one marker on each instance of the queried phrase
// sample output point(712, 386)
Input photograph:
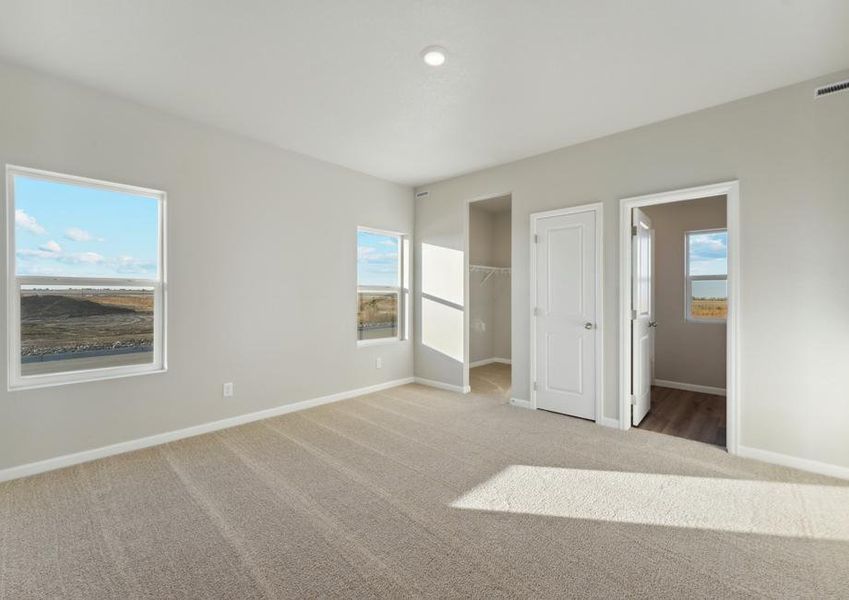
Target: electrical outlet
point(378, 364)
point(227, 389)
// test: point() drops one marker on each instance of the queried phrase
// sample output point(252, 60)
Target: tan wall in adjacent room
point(684, 351)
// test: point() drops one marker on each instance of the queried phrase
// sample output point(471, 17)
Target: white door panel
point(568, 350)
point(565, 318)
point(564, 248)
point(642, 326)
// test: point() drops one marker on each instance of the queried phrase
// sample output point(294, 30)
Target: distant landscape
point(377, 316)
point(709, 308)
point(59, 326)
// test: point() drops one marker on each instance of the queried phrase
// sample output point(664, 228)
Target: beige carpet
point(416, 492)
point(493, 379)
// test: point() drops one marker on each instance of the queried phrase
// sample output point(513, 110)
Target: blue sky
point(709, 253)
point(709, 256)
point(377, 259)
point(75, 231)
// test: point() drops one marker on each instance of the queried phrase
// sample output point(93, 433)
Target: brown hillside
point(41, 307)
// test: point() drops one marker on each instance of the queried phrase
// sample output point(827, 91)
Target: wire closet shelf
point(489, 271)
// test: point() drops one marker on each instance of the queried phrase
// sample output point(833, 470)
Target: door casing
point(599, 300)
point(731, 191)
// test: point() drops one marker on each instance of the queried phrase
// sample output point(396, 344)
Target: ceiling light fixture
point(433, 56)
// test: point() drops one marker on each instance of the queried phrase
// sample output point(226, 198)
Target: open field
point(709, 308)
point(65, 330)
point(377, 316)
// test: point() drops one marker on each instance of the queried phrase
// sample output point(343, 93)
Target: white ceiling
point(342, 80)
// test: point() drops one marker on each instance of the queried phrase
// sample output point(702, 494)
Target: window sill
point(379, 342)
point(35, 383)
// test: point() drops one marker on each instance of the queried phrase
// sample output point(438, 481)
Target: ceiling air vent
point(832, 88)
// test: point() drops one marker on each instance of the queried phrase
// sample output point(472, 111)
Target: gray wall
point(480, 236)
point(684, 351)
point(261, 263)
point(790, 153)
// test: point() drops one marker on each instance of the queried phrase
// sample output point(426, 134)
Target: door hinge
point(633, 315)
point(537, 311)
point(536, 239)
point(633, 400)
point(633, 230)
point(535, 386)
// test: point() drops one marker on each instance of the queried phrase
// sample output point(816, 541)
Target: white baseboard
point(443, 386)
point(489, 361)
point(785, 460)
point(67, 460)
point(608, 422)
point(690, 387)
point(520, 403)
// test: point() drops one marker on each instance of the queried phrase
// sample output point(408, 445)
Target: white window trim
point(402, 290)
point(16, 381)
point(689, 279)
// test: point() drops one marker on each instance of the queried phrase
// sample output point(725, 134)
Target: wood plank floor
point(690, 415)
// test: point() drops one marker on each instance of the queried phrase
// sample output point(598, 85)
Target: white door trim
point(598, 209)
point(731, 190)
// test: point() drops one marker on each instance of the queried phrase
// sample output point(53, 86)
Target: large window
point(86, 279)
point(707, 275)
point(382, 286)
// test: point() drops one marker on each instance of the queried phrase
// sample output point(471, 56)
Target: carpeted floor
point(417, 492)
point(493, 379)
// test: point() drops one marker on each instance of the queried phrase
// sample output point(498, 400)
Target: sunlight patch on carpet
point(733, 505)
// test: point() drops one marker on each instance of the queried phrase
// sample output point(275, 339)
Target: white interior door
point(565, 314)
point(642, 324)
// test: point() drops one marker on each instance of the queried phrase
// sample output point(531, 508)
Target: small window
point(707, 275)
point(382, 286)
point(86, 279)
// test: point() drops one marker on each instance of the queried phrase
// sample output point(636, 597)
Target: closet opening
point(489, 288)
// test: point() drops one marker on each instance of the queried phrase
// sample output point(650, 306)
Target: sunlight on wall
point(442, 300)
point(737, 505)
point(442, 273)
point(442, 328)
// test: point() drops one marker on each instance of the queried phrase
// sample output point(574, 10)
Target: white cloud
point(85, 257)
point(131, 265)
point(51, 246)
point(708, 244)
point(370, 254)
point(52, 250)
point(28, 222)
point(78, 235)
point(85, 261)
point(29, 253)
point(49, 250)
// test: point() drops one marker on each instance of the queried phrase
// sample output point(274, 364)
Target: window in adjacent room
point(382, 285)
point(707, 275)
point(86, 290)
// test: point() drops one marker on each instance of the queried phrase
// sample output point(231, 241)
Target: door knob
point(588, 325)
point(652, 323)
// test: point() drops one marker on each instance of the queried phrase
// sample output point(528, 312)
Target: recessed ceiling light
point(433, 56)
